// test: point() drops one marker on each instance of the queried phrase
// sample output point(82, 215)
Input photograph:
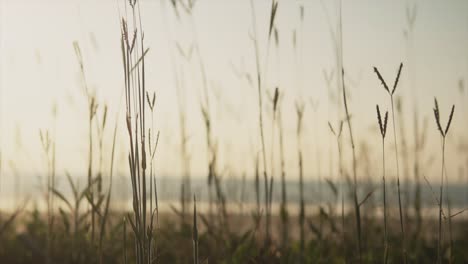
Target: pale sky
point(39, 69)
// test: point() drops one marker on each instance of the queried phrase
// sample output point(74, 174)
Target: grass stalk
point(449, 218)
point(47, 144)
point(125, 239)
point(391, 95)
point(260, 115)
point(284, 200)
point(133, 55)
point(339, 50)
point(300, 115)
point(337, 135)
point(274, 8)
point(383, 131)
point(195, 232)
point(443, 133)
point(355, 195)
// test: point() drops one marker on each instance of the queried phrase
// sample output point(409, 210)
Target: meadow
point(373, 202)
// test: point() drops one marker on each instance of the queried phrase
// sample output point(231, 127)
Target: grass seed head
point(385, 123)
point(381, 79)
point(382, 124)
point(395, 84)
point(379, 118)
point(437, 117)
point(450, 120)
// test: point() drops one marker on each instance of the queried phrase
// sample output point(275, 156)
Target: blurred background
point(41, 86)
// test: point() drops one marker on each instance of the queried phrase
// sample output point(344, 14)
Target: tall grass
point(337, 135)
point(419, 130)
point(443, 134)
point(92, 107)
point(48, 146)
point(260, 107)
point(195, 232)
point(105, 217)
point(178, 72)
point(355, 187)
point(284, 215)
point(300, 114)
point(274, 101)
point(383, 132)
point(133, 56)
point(391, 93)
point(406, 159)
point(338, 41)
point(241, 244)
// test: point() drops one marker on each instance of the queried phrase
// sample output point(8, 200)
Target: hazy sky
point(39, 69)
